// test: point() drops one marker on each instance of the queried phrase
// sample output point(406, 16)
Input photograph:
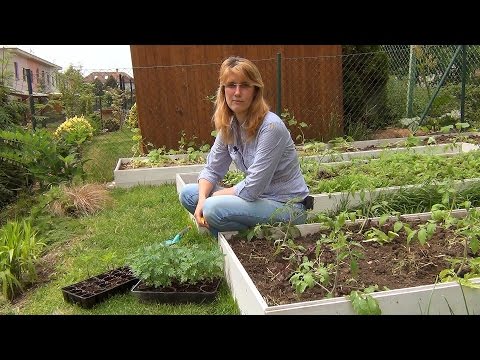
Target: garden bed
point(367, 150)
point(259, 280)
point(126, 176)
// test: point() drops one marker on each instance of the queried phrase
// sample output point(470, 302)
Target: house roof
point(31, 56)
point(103, 76)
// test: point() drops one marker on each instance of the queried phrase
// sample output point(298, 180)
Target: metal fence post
point(464, 80)
point(131, 93)
point(279, 84)
point(30, 93)
point(412, 72)
point(442, 80)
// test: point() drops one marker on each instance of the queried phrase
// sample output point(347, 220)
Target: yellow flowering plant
point(75, 130)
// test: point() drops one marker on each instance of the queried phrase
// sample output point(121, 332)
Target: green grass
point(104, 151)
point(139, 216)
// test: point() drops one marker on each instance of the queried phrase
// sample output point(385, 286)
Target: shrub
point(132, 120)
point(75, 130)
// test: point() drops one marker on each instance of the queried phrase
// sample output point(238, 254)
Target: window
point(38, 76)
point(16, 70)
point(48, 79)
point(24, 74)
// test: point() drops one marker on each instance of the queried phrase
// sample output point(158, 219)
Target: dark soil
point(392, 265)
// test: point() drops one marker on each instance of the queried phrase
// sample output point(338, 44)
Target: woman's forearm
point(205, 187)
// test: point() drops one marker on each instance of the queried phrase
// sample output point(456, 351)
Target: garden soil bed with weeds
point(391, 265)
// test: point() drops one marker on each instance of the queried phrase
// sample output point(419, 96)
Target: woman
point(261, 147)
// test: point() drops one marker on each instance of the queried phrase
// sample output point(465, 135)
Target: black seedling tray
point(201, 292)
point(98, 288)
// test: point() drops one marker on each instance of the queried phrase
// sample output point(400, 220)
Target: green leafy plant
point(19, 250)
point(289, 118)
point(159, 265)
point(363, 303)
point(232, 177)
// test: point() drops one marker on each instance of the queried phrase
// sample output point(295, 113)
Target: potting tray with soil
point(98, 288)
point(176, 293)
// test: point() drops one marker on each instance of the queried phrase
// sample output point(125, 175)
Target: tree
point(77, 95)
point(98, 87)
point(111, 83)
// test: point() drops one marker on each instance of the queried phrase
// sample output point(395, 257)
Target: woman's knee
point(189, 195)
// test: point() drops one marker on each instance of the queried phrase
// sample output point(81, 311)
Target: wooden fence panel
point(173, 83)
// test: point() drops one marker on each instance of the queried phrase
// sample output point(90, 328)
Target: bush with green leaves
point(132, 119)
point(19, 250)
point(160, 265)
point(75, 130)
point(41, 155)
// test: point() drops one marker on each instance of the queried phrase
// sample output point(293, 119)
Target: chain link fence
point(379, 87)
point(364, 89)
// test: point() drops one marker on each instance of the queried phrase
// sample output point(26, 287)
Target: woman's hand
point(198, 214)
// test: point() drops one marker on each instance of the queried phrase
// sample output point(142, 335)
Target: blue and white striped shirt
point(269, 161)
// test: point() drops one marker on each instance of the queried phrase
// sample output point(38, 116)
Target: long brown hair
point(258, 108)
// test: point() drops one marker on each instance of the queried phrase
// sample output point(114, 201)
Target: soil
point(391, 265)
point(390, 133)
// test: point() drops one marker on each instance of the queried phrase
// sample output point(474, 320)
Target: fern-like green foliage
point(160, 265)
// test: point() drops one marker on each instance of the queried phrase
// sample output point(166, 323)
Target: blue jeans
point(231, 213)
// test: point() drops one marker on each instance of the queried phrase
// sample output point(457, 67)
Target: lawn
point(82, 247)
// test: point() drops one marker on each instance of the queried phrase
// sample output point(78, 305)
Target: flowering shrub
point(75, 130)
point(132, 120)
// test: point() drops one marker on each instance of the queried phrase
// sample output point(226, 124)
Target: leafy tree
point(98, 87)
point(77, 95)
point(365, 76)
point(111, 83)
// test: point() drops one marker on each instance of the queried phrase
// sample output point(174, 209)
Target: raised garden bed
point(395, 143)
point(125, 177)
point(97, 289)
point(259, 280)
point(335, 201)
point(201, 292)
point(363, 153)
